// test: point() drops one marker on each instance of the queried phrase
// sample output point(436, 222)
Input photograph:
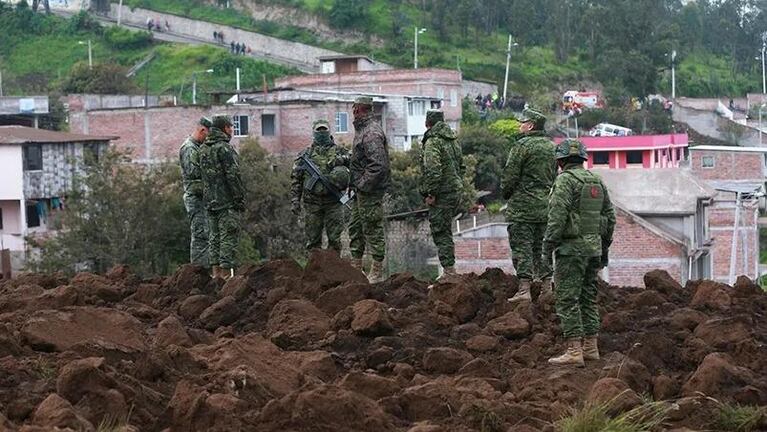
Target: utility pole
point(416, 32)
point(764, 79)
point(90, 53)
point(1, 83)
point(673, 75)
point(508, 63)
point(194, 84)
point(119, 12)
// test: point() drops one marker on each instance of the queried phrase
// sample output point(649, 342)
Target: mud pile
point(281, 348)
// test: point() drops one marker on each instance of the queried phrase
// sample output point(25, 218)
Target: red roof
point(28, 135)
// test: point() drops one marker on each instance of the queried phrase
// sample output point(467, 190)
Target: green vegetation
point(595, 418)
point(48, 54)
point(739, 418)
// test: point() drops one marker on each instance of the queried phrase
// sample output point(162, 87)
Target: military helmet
point(571, 147)
point(320, 123)
point(220, 121)
point(340, 177)
point(535, 117)
point(204, 121)
point(364, 100)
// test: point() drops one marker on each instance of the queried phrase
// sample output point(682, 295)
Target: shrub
point(118, 37)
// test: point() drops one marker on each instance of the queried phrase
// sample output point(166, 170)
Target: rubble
point(280, 348)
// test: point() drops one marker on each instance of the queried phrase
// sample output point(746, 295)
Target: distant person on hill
point(231, 45)
point(167, 26)
point(149, 24)
point(215, 35)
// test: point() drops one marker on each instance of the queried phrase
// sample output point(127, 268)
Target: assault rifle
point(310, 167)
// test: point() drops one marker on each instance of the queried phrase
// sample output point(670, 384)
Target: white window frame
point(706, 166)
point(342, 127)
point(236, 119)
point(416, 107)
point(453, 98)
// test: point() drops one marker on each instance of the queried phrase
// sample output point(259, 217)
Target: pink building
point(636, 151)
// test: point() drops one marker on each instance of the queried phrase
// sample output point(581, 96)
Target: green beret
point(536, 117)
point(221, 121)
point(434, 116)
point(204, 121)
point(320, 123)
point(364, 100)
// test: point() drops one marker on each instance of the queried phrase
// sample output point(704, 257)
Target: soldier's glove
point(296, 208)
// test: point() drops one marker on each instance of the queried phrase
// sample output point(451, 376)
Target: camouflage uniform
point(370, 180)
point(442, 171)
point(224, 193)
point(322, 211)
point(193, 201)
point(579, 232)
point(526, 182)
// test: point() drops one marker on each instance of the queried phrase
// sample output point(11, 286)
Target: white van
point(609, 130)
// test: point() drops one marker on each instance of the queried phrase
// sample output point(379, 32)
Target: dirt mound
point(282, 348)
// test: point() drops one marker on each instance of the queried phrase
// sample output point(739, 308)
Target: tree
point(120, 213)
point(103, 78)
point(349, 13)
point(490, 150)
point(270, 229)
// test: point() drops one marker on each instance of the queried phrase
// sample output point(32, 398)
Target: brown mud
point(281, 348)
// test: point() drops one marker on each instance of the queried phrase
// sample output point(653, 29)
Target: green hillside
point(622, 44)
point(43, 54)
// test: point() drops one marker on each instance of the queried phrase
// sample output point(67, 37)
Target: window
point(453, 98)
point(240, 125)
point(441, 96)
point(435, 105)
point(634, 157)
point(267, 124)
point(416, 108)
point(708, 162)
point(342, 122)
point(600, 158)
point(33, 219)
point(91, 153)
point(33, 157)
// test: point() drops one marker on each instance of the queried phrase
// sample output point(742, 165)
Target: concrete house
point(38, 169)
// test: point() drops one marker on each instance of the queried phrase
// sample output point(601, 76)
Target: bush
point(507, 128)
point(84, 22)
point(120, 213)
point(490, 151)
point(121, 38)
point(103, 78)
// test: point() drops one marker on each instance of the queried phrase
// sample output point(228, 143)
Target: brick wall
point(728, 165)
point(412, 82)
point(157, 133)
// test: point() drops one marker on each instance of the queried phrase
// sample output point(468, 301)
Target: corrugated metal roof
point(27, 135)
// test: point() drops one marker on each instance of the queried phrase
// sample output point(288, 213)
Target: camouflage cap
point(320, 123)
point(535, 117)
point(571, 147)
point(221, 121)
point(364, 100)
point(204, 121)
point(434, 116)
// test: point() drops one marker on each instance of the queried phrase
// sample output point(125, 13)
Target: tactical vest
point(324, 159)
point(584, 226)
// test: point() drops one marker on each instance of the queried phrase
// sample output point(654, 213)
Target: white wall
point(11, 173)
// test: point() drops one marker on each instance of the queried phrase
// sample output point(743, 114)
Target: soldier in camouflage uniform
point(322, 211)
point(526, 183)
point(224, 195)
point(579, 233)
point(370, 181)
point(195, 206)
point(441, 184)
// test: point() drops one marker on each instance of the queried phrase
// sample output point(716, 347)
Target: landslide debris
point(281, 348)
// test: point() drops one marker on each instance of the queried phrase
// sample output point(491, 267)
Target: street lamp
point(764, 47)
point(90, 53)
point(194, 84)
point(761, 107)
point(673, 74)
point(508, 61)
point(416, 31)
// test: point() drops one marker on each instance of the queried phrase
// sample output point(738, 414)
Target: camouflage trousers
point(198, 227)
point(366, 228)
point(575, 287)
point(327, 217)
point(526, 242)
point(441, 225)
point(224, 228)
